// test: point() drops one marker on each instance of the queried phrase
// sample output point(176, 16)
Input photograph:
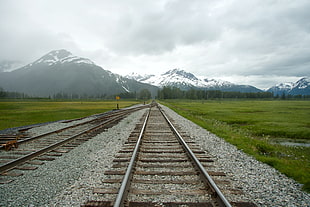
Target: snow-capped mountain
point(60, 57)
point(300, 87)
point(185, 80)
point(178, 78)
point(61, 72)
point(281, 88)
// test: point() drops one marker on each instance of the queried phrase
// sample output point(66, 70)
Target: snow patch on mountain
point(138, 77)
point(303, 83)
point(285, 86)
point(213, 82)
point(126, 89)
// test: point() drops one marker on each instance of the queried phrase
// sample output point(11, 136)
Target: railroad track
point(160, 166)
point(22, 137)
point(33, 151)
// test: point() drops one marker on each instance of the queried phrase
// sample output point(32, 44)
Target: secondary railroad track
point(33, 151)
point(160, 166)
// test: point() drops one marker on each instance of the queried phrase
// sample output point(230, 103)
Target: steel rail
point(14, 163)
point(217, 193)
point(123, 191)
point(68, 127)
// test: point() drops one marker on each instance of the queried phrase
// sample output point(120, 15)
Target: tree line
point(176, 93)
point(166, 92)
point(7, 94)
point(144, 94)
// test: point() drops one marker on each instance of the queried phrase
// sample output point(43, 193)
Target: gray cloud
point(162, 28)
point(241, 38)
point(24, 36)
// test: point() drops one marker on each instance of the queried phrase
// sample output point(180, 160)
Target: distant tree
point(2, 93)
point(145, 94)
point(283, 96)
point(127, 95)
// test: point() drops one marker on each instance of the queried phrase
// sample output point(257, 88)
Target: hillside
point(61, 72)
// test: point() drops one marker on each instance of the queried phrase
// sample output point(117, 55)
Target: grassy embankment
point(26, 112)
point(255, 127)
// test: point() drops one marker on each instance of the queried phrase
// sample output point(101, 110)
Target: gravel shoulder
point(69, 180)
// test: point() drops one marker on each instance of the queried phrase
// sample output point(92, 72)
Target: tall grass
point(20, 113)
point(253, 126)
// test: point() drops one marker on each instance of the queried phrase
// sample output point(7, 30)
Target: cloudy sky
point(243, 41)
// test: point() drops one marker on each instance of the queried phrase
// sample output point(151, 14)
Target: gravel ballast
point(70, 179)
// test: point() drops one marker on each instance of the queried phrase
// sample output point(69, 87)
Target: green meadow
point(257, 127)
point(21, 113)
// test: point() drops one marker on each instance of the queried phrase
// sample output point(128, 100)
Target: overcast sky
point(257, 42)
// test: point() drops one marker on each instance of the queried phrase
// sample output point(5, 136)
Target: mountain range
point(60, 71)
point(185, 81)
point(300, 87)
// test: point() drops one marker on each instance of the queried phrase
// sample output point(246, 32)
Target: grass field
point(21, 113)
point(255, 127)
